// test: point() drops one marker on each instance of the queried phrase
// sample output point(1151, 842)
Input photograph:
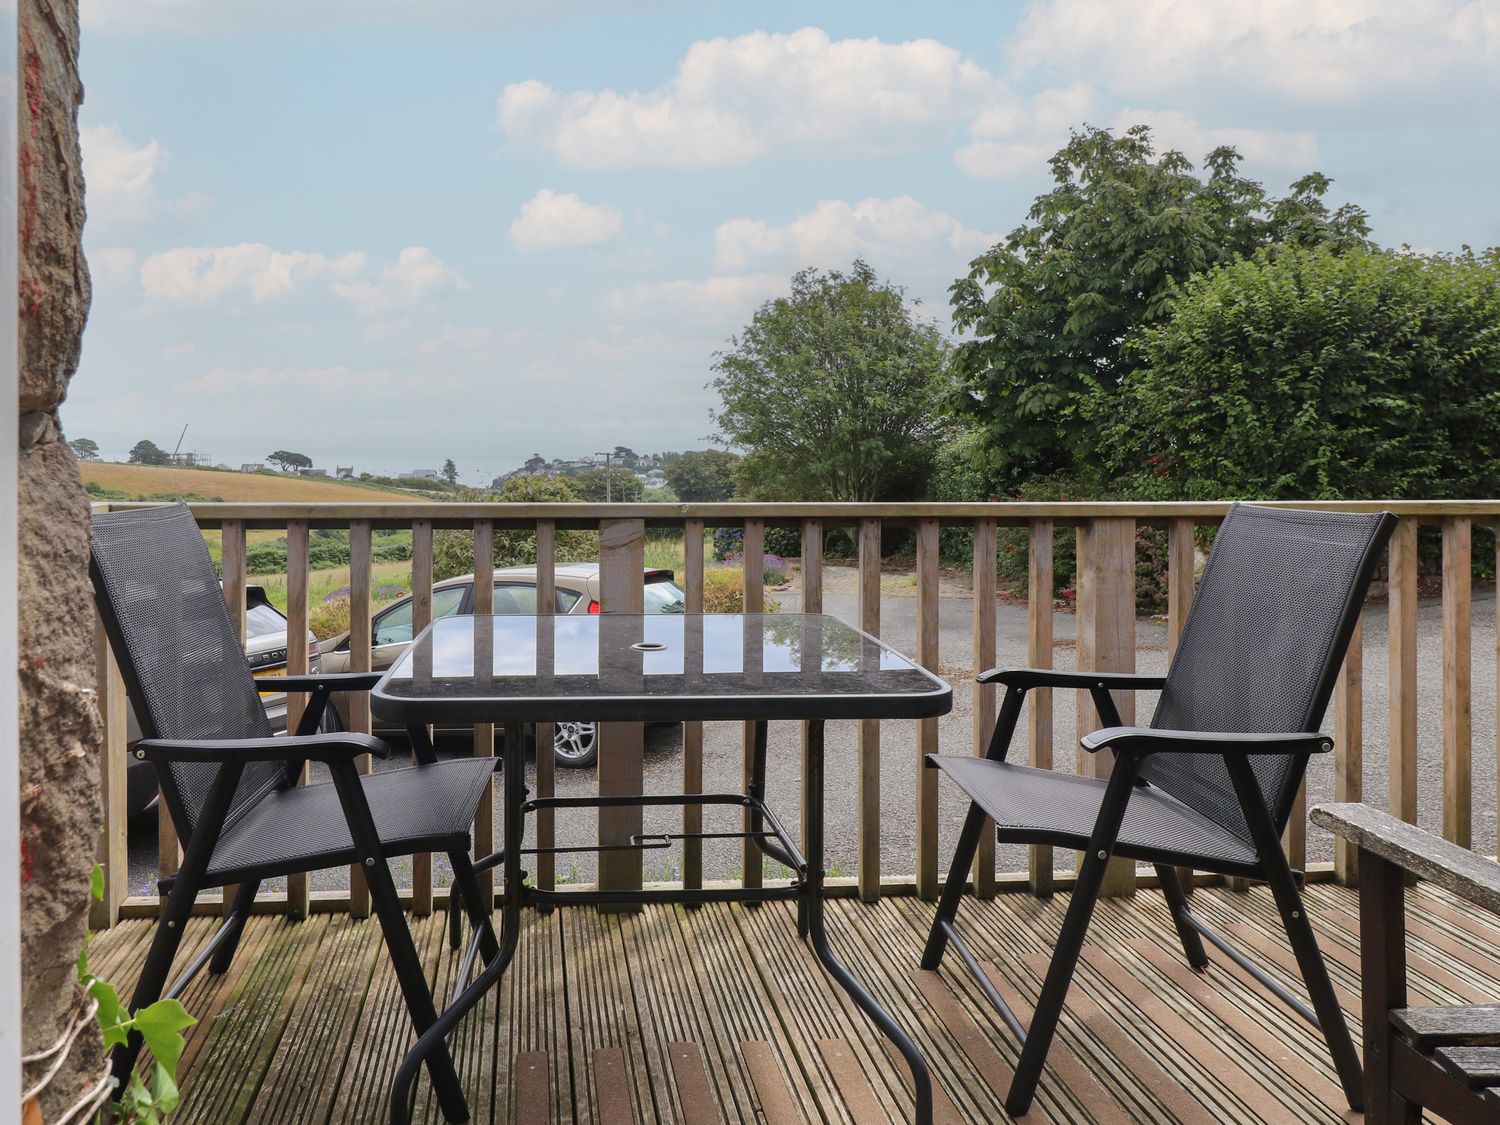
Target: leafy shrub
point(777, 570)
point(783, 542)
point(453, 551)
point(1304, 374)
point(724, 591)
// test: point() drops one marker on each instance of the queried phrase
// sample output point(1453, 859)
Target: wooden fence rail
point(1107, 542)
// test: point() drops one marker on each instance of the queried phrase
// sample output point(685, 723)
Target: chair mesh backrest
point(184, 667)
point(1262, 648)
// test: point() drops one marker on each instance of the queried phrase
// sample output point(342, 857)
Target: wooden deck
point(720, 1014)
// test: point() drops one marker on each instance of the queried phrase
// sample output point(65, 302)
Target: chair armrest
point(318, 747)
point(1149, 740)
point(331, 681)
point(1049, 677)
point(1466, 874)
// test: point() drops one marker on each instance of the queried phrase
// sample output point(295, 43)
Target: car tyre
point(575, 746)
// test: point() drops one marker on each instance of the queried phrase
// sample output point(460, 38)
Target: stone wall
point(59, 725)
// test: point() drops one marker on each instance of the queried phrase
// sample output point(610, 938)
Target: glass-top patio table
point(521, 669)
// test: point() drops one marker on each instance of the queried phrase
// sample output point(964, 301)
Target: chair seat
point(423, 808)
point(1040, 806)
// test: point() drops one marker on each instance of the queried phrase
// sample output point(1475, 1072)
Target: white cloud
point(712, 307)
point(121, 180)
point(1260, 147)
point(552, 220)
point(898, 235)
point(333, 382)
point(416, 273)
point(1339, 50)
point(733, 100)
point(202, 274)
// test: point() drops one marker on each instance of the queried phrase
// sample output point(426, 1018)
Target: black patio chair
point(1211, 783)
point(230, 786)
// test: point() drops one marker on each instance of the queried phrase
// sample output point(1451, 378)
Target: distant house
point(312, 472)
point(342, 473)
point(252, 468)
point(422, 474)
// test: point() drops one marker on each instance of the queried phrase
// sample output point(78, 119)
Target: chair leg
point(1299, 931)
point(1075, 928)
point(1192, 940)
point(1325, 1002)
point(239, 917)
point(953, 890)
point(455, 915)
point(467, 888)
point(153, 978)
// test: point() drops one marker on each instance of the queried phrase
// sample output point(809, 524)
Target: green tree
point(1049, 308)
point(703, 475)
point(1304, 374)
point(535, 463)
point(450, 471)
point(85, 449)
point(836, 391)
point(599, 484)
point(289, 461)
point(453, 551)
point(147, 452)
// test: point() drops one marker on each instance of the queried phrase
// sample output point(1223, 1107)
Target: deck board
point(722, 1014)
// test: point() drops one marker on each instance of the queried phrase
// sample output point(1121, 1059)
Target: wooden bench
point(1445, 1058)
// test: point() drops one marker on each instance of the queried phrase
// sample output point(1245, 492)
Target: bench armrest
point(1028, 678)
point(317, 747)
point(1466, 874)
point(1149, 740)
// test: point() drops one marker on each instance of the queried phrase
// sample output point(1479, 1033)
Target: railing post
point(1039, 584)
point(812, 602)
point(232, 573)
point(297, 897)
point(1106, 643)
point(927, 729)
point(421, 617)
point(1458, 745)
point(546, 756)
point(1348, 748)
point(113, 854)
point(753, 561)
point(622, 558)
point(985, 536)
point(484, 733)
point(692, 733)
point(1403, 670)
point(359, 661)
point(869, 729)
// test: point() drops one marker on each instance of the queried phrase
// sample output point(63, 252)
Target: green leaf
point(160, 1024)
point(163, 1089)
point(96, 883)
point(114, 1021)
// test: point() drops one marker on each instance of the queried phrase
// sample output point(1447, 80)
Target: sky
point(384, 234)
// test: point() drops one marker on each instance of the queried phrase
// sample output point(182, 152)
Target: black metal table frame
point(806, 889)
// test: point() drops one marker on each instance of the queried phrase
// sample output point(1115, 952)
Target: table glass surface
point(581, 666)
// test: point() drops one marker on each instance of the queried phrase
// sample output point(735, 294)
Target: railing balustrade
point(1106, 640)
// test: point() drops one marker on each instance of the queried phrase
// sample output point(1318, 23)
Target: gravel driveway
point(722, 754)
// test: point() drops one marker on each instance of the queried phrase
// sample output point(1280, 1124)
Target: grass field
point(155, 480)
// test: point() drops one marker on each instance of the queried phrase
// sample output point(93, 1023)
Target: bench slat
point(1476, 1067)
point(1469, 1025)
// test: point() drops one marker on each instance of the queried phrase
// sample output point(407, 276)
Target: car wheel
point(333, 722)
point(576, 745)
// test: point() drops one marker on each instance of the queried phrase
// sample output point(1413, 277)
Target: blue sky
point(387, 233)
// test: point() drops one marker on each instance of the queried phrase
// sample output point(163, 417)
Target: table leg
point(812, 902)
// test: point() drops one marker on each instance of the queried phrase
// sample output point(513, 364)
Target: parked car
point(266, 646)
point(575, 745)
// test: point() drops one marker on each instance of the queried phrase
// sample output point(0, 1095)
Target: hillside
point(155, 480)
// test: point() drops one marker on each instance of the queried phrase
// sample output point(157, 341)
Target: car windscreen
point(664, 597)
point(261, 620)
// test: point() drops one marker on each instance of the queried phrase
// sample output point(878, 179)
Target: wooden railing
point(1106, 641)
